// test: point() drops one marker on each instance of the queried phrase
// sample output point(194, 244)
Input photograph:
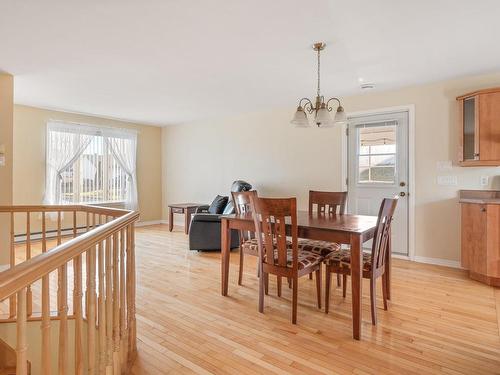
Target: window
point(377, 154)
point(86, 164)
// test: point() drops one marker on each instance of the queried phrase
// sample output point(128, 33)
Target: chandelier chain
point(319, 66)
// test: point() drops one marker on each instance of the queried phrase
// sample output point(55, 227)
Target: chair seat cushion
point(305, 258)
point(251, 246)
point(322, 248)
point(342, 259)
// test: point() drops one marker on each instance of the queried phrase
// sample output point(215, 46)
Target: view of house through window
point(90, 165)
point(377, 154)
point(95, 176)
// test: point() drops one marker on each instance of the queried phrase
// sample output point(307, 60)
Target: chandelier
point(321, 109)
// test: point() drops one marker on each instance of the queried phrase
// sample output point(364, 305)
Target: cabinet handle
point(483, 209)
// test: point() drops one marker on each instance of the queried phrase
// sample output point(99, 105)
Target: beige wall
point(29, 157)
point(201, 159)
point(6, 141)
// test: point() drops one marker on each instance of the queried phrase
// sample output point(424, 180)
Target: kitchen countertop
point(479, 196)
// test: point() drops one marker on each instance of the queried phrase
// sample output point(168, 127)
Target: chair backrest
point(327, 202)
point(242, 204)
point(382, 232)
point(270, 215)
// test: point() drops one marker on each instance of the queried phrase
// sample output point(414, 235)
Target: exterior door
point(378, 168)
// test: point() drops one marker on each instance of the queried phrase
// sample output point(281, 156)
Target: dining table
point(352, 230)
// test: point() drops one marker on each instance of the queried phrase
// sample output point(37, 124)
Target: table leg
point(170, 219)
point(225, 254)
point(186, 220)
point(388, 266)
point(356, 284)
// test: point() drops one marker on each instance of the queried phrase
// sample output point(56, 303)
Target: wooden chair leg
point(338, 279)
point(344, 285)
point(261, 293)
point(373, 300)
point(240, 274)
point(318, 285)
point(294, 298)
point(384, 290)
point(310, 276)
point(289, 282)
point(327, 288)
point(279, 286)
point(265, 276)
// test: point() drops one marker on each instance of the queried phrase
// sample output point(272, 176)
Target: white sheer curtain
point(66, 142)
point(123, 147)
point(64, 145)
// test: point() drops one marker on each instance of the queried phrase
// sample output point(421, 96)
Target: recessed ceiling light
point(361, 79)
point(367, 86)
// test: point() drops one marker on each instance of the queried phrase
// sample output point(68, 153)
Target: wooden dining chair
point(248, 242)
point(324, 203)
point(278, 255)
point(339, 262)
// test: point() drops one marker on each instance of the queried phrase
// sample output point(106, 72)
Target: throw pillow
point(218, 204)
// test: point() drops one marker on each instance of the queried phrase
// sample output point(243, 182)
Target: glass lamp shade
point(340, 116)
point(300, 119)
point(323, 118)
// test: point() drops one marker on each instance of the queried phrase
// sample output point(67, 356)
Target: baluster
point(12, 300)
point(132, 347)
point(109, 309)
point(91, 315)
point(63, 318)
point(77, 310)
point(116, 308)
point(58, 227)
point(123, 301)
point(21, 364)
point(29, 294)
point(45, 325)
point(87, 221)
point(74, 224)
point(101, 311)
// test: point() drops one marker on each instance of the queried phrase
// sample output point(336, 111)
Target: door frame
point(410, 108)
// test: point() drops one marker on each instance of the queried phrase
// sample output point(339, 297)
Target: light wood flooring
point(438, 322)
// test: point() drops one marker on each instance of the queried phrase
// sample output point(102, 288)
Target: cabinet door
point(474, 240)
point(489, 127)
point(470, 128)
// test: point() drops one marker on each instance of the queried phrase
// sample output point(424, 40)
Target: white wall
point(201, 159)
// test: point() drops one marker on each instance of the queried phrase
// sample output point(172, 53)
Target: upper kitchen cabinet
point(479, 119)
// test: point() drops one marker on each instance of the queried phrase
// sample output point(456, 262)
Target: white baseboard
point(150, 222)
point(437, 261)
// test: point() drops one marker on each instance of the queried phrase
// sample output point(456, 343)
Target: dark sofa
point(204, 232)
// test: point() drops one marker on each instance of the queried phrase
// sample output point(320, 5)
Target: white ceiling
point(166, 62)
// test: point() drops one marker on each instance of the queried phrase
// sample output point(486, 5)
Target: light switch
point(447, 180)
point(484, 180)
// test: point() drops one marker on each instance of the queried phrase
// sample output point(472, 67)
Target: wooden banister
point(28, 272)
point(108, 250)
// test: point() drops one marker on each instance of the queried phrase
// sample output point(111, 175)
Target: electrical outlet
point(483, 181)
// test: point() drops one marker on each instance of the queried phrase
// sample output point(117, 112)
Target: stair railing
point(93, 254)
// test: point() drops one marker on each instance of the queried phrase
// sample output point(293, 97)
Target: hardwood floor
point(438, 322)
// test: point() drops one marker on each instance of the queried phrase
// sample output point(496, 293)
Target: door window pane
point(377, 154)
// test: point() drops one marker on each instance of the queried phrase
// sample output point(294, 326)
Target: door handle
point(402, 194)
